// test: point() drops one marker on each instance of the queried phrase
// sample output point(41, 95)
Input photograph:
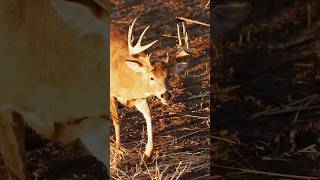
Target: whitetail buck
point(133, 78)
point(53, 59)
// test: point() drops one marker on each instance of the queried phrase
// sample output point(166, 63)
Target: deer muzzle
point(165, 97)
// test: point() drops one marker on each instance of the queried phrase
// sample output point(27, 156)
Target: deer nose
point(166, 96)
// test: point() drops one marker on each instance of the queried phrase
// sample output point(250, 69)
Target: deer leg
point(95, 138)
point(12, 145)
point(93, 133)
point(143, 107)
point(115, 118)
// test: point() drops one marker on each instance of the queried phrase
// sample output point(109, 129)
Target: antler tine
point(185, 34)
point(137, 48)
point(130, 34)
point(183, 28)
point(179, 37)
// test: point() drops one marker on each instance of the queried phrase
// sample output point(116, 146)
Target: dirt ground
point(181, 129)
point(266, 95)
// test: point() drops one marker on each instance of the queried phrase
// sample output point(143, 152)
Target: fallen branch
point(184, 136)
point(228, 89)
point(297, 106)
point(193, 21)
point(224, 139)
point(207, 5)
point(285, 111)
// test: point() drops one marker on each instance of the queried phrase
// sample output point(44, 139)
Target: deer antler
point(183, 50)
point(145, 61)
point(137, 48)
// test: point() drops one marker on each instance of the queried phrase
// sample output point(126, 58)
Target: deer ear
point(80, 17)
point(135, 66)
point(179, 67)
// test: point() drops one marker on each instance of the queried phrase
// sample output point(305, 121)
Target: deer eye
point(151, 78)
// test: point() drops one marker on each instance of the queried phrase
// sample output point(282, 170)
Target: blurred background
point(265, 89)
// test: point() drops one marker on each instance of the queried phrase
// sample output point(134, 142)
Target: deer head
point(156, 73)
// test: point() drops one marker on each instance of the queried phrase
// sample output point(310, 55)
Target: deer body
point(133, 78)
point(125, 85)
point(52, 74)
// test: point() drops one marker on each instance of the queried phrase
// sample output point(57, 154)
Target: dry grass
point(170, 166)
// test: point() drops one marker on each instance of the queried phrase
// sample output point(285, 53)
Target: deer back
point(48, 64)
